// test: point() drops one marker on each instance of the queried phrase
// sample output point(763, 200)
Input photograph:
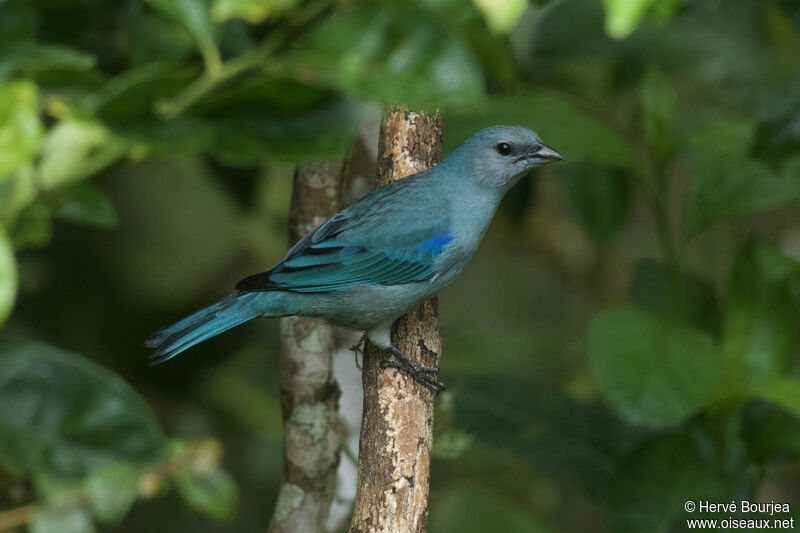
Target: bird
point(383, 255)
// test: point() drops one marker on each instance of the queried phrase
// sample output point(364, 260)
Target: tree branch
point(309, 393)
point(397, 424)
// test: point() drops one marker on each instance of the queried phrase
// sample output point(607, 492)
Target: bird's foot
point(421, 374)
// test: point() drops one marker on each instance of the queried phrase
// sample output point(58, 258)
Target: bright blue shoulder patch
point(435, 244)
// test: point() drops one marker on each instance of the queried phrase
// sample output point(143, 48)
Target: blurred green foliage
point(624, 341)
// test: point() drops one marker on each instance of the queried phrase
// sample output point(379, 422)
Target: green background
point(624, 340)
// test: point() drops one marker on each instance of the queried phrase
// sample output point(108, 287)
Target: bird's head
point(499, 155)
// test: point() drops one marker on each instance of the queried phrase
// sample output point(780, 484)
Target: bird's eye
point(503, 148)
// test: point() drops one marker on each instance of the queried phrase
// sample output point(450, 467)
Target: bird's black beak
point(547, 153)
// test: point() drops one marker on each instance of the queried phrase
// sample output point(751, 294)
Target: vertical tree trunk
point(309, 393)
point(397, 424)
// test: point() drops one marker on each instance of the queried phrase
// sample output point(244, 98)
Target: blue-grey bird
point(388, 252)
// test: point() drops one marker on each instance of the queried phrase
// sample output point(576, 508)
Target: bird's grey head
point(499, 155)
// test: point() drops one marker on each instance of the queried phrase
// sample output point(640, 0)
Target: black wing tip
point(162, 355)
point(256, 282)
point(154, 340)
point(155, 361)
point(160, 341)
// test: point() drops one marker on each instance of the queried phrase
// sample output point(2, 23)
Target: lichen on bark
point(309, 393)
point(397, 423)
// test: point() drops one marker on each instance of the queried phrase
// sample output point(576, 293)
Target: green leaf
point(394, 53)
point(624, 16)
point(64, 415)
point(654, 482)
point(678, 296)
point(726, 181)
point(542, 426)
point(252, 11)
point(32, 227)
point(20, 128)
point(759, 322)
point(34, 58)
point(88, 205)
point(111, 490)
point(75, 149)
point(493, 50)
point(133, 94)
point(8, 276)
point(770, 432)
point(501, 15)
point(246, 137)
point(778, 130)
point(45, 520)
point(212, 493)
point(653, 372)
point(658, 114)
point(576, 134)
point(469, 509)
point(783, 392)
point(195, 16)
point(601, 196)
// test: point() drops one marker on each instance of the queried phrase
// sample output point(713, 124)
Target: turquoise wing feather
point(328, 259)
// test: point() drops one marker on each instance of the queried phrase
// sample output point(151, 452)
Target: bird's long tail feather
point(204, 324)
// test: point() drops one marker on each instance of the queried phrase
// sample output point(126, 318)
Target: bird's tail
point(229, 312)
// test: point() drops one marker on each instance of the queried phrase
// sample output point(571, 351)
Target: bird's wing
point(356, 247)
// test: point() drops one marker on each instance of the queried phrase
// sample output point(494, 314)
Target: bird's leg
point(419, 373)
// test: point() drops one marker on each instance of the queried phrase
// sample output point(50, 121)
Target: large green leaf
point(543, 427)
point(576, 134)
point(653, 484)
point(726, 181)
point(8, 276)
point(759, 321)
point(653, 372)
point(63, 415)
point(246, 137)
point(20, 128)
point(393, 53)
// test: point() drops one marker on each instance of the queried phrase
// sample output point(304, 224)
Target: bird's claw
point(421, 374)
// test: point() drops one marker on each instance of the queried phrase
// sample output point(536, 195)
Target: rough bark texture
point(309, 393)
point(397, 424)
